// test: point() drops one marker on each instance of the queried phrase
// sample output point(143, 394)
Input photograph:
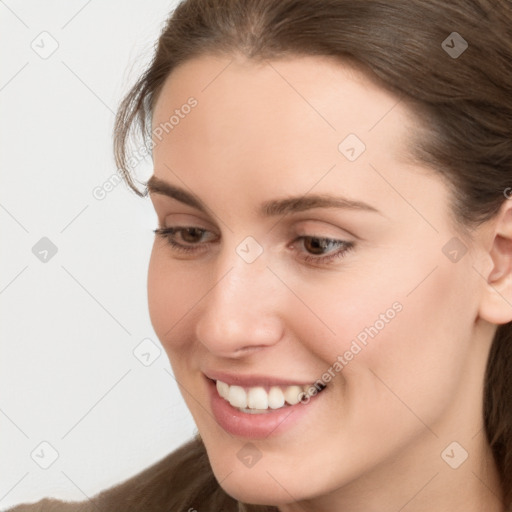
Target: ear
point(496, 301)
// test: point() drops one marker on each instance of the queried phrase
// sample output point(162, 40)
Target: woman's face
point(314, 252)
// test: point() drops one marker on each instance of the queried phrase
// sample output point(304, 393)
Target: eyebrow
point(269, 208)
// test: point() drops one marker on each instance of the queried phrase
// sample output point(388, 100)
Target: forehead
point(313, 96)
point(283, 123)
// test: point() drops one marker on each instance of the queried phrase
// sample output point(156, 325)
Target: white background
point(69, 325)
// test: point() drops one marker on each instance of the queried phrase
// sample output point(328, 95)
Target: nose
point(240, 313)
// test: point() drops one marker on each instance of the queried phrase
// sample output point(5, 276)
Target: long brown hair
point(463, 102)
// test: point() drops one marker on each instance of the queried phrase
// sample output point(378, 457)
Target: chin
point(266, 491)
point(257, 485)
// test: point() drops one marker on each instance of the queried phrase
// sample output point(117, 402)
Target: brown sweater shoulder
point(182, 481)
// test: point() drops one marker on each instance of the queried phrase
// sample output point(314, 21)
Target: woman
point(331, 273)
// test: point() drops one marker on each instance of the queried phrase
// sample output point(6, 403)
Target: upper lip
point(237, 379)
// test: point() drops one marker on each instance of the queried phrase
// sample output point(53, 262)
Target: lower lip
point(256, 426)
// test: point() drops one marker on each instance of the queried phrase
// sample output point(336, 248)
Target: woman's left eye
point(316, 250)
point(323, 250)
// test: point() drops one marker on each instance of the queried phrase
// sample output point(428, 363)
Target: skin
point(272, 130)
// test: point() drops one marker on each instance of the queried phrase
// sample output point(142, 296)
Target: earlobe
point(496, 302)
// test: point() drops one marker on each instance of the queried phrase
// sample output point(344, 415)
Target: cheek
point(347, 311)
point(418, 357)
point(408, 329)
point(173, 292)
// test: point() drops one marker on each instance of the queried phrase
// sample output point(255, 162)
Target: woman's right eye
point(186, 238)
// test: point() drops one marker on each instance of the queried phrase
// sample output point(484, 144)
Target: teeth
point(223, 389)
point(237, 396)
point(293, 394)
point(275, 398)
point(257, 400)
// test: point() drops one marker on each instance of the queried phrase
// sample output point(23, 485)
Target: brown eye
point(322, 251)
point(192, 235)
point(319, 245)
point(186, 239)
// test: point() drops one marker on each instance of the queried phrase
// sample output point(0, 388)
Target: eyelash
point(168, 235)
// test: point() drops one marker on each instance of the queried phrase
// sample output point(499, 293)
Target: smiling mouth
point(258, 400)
